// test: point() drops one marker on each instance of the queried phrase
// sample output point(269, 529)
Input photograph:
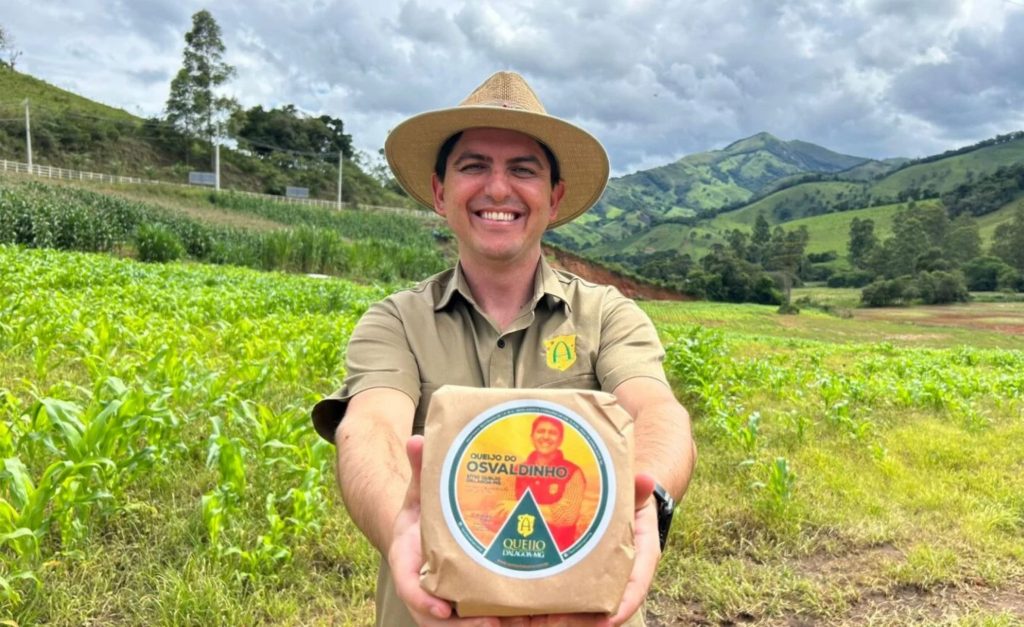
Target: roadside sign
point(202, 178)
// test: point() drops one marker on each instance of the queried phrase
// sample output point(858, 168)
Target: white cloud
point(654, 80)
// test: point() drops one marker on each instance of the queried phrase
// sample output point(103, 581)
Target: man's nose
point(498, 187)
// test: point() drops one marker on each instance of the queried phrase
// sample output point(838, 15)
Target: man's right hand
point(405, 556)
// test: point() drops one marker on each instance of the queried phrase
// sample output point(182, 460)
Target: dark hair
point(441, 164)
point(555, 421)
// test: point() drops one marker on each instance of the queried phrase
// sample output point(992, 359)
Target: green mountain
point(792, 199)
point(698, 184)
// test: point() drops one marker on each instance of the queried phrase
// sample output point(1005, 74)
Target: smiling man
point(501, 171)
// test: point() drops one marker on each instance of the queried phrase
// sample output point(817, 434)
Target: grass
point(852, 470)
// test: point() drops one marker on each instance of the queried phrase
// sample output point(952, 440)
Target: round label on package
point(528, 488)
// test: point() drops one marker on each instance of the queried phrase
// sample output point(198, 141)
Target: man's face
point(546, 438)
point(497, 196)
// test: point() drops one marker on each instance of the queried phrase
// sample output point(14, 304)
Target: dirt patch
point(1005, 318)
point(594, 273)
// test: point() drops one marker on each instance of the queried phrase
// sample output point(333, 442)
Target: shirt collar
point(545, 283)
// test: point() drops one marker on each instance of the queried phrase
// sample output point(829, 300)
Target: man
point(559, 496)
point(501, 171)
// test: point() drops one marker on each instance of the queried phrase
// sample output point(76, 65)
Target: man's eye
point(524, 172)
point(471, 167)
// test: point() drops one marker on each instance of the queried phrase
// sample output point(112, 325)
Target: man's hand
point(405, 556)
point(648, 552)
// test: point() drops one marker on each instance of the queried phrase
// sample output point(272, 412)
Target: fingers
point(414, 451)
point(644, 488)
point(648, 552)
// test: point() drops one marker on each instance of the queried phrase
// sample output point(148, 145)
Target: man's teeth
point(500, 216)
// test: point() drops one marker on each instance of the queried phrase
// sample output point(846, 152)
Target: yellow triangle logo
point(560, 352)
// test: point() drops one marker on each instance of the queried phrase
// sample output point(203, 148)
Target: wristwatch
point(666, 507)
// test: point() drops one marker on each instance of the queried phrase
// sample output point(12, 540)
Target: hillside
point(73, 132)
point(697, 184)
point(826, 203)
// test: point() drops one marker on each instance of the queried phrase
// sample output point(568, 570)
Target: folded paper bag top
point(527, 500)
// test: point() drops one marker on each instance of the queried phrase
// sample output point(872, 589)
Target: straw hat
point(503, 101)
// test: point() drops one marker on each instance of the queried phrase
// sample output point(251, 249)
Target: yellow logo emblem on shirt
point(561, 352)
point(524, 525)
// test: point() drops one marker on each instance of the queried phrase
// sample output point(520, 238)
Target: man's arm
point(373, 469)
point(661, 426)
point(381, 493)
point(665, 453)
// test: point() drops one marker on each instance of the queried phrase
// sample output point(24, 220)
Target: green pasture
point(159, 466)
point(16, 87)
point(945, 174)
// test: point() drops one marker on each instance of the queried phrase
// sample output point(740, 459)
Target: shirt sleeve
point(629, 344)
point(378, 355)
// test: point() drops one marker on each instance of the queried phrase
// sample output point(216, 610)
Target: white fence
point(50, 172)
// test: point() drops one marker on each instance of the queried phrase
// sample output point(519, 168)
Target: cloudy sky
point(654, 80)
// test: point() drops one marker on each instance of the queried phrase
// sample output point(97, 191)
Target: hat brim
point(411, 150)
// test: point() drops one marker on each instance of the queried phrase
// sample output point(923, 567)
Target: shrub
point(853, 278)
point(934, 288)
point(983, 274)
point(882, 293)
point(158, 244)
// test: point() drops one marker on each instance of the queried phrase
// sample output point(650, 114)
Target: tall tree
point(785, 252)
point(862, 241)
point(1008, 241)
point(193, 104)
point(7, 48)
point(759, 239)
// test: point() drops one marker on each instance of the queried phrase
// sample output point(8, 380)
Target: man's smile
point(498, 216)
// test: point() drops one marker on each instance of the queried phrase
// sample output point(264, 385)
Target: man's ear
point(557, 192)
point(438, 187)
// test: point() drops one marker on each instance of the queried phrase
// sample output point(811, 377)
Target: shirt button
point(501, 343)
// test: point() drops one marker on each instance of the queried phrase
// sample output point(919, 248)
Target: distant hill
point(77, 133)
point(867, 188)
point(697, 184)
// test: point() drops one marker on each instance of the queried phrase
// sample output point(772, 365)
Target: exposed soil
point(998, 317)
point(598, 274)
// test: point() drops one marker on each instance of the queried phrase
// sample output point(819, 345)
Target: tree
point(7, 48)
point(1008, 241)
point(193, 104)
point(963, 240)
point(785, 252)
point(759, 239)
point(862, 242)
point(286, 128)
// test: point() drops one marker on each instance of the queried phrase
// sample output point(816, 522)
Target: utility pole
point(341, 157)
point(28, 136)
point(216, 167)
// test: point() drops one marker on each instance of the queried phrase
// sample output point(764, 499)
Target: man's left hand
point(645, 563)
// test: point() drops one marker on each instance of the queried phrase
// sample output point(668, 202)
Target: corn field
point(159, 465)
point(360, 245)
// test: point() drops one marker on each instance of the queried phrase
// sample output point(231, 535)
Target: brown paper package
point(593, 584)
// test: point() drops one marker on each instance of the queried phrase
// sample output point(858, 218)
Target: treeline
point(986, 195)
point(932, 258)
point(759, 267)
point(994, 141)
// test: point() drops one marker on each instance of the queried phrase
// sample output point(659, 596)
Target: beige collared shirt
point(570, 334)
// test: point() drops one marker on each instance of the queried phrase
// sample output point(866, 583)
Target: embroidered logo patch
point(560, 352)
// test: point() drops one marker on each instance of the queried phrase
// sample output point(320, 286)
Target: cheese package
point(527, 500)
